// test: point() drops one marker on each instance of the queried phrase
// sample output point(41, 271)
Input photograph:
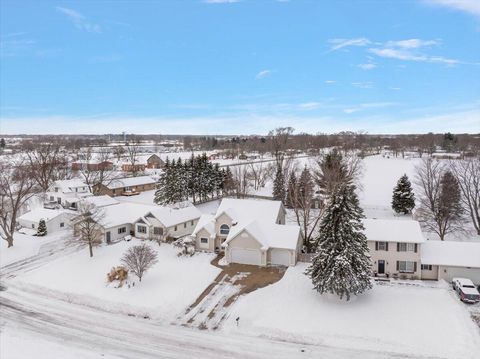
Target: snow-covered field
point(418, 320)
point(166, 290)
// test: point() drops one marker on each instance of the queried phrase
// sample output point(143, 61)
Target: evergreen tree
point(333, 173)
point(342, 263)
point(279, 192)
point(403, 200)
point(161, 195)
point(42, 228)
point(2, 144)
point(291, 190)
point(228, 182)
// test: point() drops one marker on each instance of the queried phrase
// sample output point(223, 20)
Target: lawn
point(419, 320)
point(166, 289)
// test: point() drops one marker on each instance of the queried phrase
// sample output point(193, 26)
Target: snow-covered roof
point(130, 182)
point(393, 230)
point(451, 253)
point(101, 201)
point(207, 222)
point(67, 186)
point(269, 235)
point(247, 210)
point(172, 216)
point(41, 213)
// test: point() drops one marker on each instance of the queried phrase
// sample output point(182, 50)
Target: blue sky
point(239, 67)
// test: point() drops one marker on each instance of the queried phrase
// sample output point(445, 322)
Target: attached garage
point(448, 273)
point(246, 256)
point(280, 256)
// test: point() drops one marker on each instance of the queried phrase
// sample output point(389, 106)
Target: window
point(52, 198)
point(204, 240)
point(122, 230)
point(62, 225)
point(406, 247)
point(381, 246)
point(175, 229)
point(406, 266)
point(158, 231)
point(192, 223)
point(141, 229)
point(426, 267)
point(33, 225)
point(224, 230)
point(185, 225)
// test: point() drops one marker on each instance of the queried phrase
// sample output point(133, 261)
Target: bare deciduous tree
point(240, 180)
point(132, 150)
point(467, 173)
point(48, 163)
point(279, 140)
point(102, 173)
point(138, 259)
point(87, 225)
point(16, 188)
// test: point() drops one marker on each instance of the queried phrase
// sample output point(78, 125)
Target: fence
point(305, 257)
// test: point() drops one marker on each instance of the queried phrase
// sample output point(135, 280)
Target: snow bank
point(404, 319)
point(166, 289)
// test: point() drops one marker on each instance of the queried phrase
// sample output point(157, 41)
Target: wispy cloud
point(367, 66)
point(469, 6)
point(363, 85)
point(262, 74)
point(14, 44)
point(330, 82)
point(368, 105)
point(79, 20)
point(337, 44)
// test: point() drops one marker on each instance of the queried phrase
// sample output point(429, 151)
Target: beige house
point(126, 186)
point(249, 232)
point(395, 247)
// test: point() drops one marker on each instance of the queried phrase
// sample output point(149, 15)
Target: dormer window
point(224, 230)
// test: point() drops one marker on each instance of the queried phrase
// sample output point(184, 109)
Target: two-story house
point(395, 247)
point(68, 193)
point(249, 232)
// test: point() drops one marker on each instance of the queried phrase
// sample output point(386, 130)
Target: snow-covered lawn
point(417, 320)
point(25, 246)
point(165, 291)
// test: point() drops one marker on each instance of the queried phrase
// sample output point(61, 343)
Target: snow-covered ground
point(166, 289)
point(416, 320)
point(25, 246)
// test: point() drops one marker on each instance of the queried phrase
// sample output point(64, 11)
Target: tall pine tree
point(291, 190)
point(342, 263)
point(42, 228)
point(279, 192)
point(403, 199)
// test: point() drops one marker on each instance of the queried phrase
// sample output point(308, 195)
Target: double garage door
point(252, 256)
point(246, 256)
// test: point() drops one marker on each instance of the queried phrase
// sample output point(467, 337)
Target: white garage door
point(471, 273)
point(245, 256)
point(280, 257)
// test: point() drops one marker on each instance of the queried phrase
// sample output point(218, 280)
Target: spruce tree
point(291, 190)
point(403, 199)
point(2, 143)
point(42, 228)
point(279, 192)
point(228, 182)
point(342, 263)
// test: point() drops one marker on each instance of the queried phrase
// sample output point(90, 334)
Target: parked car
point(466, 290)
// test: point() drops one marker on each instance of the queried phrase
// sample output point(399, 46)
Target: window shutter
point(415, 263)
point(398, 265)
point(386, 246)
point(416, 247)
point(398, 248)
point(376, 246)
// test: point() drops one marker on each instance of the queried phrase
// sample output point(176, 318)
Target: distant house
point(128, 167)
point(450, 259)
point(126, 186)
point(147, 221)
point(395, 247)
point(92, 166)
point(68, 192)
point(154, 161)
point(55, 220)
point(249, 232)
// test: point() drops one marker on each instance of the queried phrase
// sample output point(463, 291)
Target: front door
point(108, 237)
point(381, 267)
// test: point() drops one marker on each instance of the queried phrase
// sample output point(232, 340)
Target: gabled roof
point(130, 182)
point(41, 213)
point(269, 235)
point(171, 216)
point(67, 186)
point(247, 210)
point(393, 230)
point(207, 222)
point(101, 201)
point(451, 253)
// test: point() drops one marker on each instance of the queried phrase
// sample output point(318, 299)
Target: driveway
point(210, 309)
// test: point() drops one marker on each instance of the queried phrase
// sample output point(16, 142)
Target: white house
point(395, 247)
point(450, 259)
point(249, 232)
point(147, 221)
point(68, 192)
point(55, 220)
